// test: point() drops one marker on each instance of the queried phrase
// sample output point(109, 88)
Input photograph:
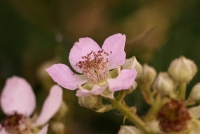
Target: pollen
point(94, 66)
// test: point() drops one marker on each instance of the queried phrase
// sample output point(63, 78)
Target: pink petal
point(124, 81)
point(2, 130)
point(50, 106)
point(82, 48)
point(63, 75)
point(115, 44)
point(43, 130)
point(17, 95)
point(96, 90)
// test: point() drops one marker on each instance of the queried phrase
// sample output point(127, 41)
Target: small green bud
point(133, 63)
point(182, 69)
point(148, 75)
point(154, 126)
point(195, 93)
point(129, 130)
point(164, 84)
point(93, 102)
point(58, 127)
point(62, 111)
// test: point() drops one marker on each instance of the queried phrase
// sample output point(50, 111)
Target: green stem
point(131, 116)
point(152, 113)
point(182, 90)
point(147, 94)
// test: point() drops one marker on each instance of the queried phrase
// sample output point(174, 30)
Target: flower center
point(94, 66)
point(17, 124)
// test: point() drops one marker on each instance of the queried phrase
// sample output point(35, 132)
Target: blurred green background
point(35, 34)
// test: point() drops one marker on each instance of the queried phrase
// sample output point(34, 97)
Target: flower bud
point(182, 69)
point(195, 93)
point(148, 75)
point(128, 130)
point(164, 84)
point(58, 127)
point(92, 102)
point(154, 126)
point(133, 63)
point(62, 111)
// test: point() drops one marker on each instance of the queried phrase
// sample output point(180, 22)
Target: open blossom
point(95, 63)
point(18, 103)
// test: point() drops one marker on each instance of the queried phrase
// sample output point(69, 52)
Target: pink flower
point(18, 103)
point(87, 58)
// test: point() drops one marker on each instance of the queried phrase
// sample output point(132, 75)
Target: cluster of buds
point(165, 93)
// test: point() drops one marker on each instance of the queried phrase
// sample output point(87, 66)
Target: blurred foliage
point(33, 32)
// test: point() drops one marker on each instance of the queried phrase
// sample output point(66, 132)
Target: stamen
point(17, 124)
point(94, 66)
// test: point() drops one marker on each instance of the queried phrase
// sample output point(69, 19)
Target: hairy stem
point(131, 115)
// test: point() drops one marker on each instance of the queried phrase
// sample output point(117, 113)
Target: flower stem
point(182, 90)
point(147, 94)
point(131, 115)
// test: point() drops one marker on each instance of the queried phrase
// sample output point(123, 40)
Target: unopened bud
point(182, 69)
point(164, 84)
point(58, 127)
point(93, 102)
point(148, 75)
point(133, 63)
point(129, 130)
point(62, 111)
point(154, 126)
point(195, 93)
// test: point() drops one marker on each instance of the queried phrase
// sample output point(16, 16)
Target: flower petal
point(195, 112)
point(124, 80)
point(50, 106)
point(17, 96)
point(96, 90)
point(43, 130)
point(82, 48)
point(2, 130)
point(114, 45)
point(63, 75)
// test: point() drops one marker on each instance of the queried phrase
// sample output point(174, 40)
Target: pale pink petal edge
point(50, 106)
point(81, 48)
point(63, 76)
point(124, 80)
point(114, 45)
point(96, 90)
point(18, 96)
